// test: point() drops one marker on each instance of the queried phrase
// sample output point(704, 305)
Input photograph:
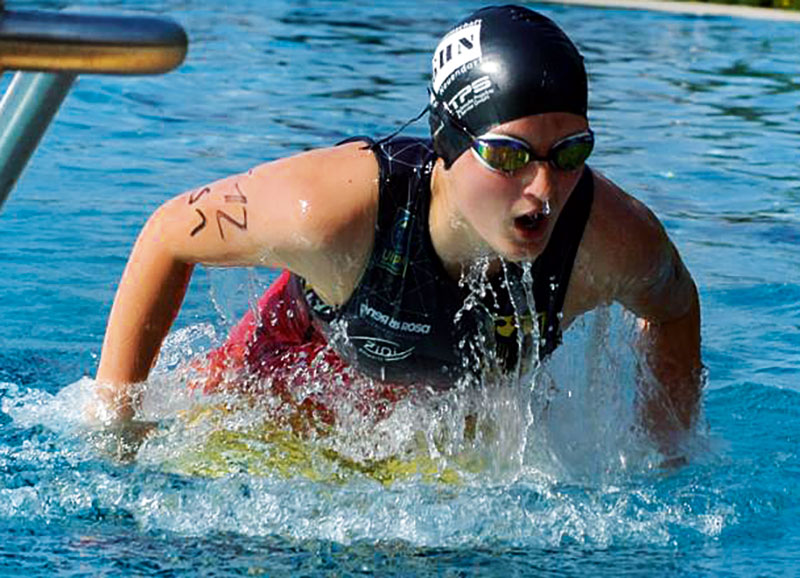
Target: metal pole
point(28, 106)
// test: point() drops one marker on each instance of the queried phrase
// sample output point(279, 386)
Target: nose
point(539, 181)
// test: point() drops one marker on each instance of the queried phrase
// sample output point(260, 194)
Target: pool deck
point(696, 8)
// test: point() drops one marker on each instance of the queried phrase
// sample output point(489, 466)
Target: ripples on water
point(696, 116)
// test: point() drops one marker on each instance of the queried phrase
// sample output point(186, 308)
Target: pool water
point(696, 116)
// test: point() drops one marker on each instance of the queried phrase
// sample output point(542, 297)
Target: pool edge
point(693, 8)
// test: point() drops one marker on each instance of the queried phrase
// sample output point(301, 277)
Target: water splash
point(551, 459)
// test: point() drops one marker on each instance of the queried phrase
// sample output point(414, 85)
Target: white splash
point(557, 457)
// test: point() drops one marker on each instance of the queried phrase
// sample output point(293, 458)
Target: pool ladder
point(49, 49)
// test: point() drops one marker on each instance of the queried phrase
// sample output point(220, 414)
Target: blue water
point(698, 117)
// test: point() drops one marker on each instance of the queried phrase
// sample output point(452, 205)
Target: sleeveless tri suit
point(407, 320)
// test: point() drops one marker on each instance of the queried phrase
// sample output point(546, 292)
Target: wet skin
point(315, 213)
point(477, 212)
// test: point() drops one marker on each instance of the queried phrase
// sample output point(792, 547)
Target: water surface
point(695, 116)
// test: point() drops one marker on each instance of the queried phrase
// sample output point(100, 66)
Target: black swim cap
point(500, 64)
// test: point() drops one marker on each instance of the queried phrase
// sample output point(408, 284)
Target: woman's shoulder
point(327, 187)
point(624, 243)
point(621, 227)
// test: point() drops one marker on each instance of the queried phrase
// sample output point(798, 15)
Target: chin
point(527, 246)
point(521, 254)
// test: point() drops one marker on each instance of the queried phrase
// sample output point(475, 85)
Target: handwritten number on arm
point(195, 195)
point(223, 216)
point(237, 198)
point(202, 224)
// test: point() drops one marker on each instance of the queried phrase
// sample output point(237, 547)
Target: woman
point(377, 239)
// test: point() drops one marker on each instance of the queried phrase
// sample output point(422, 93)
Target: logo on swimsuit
point(393, 258)
point(506, 326)
point(406, 326)
point(458, 49)
point(381, 349)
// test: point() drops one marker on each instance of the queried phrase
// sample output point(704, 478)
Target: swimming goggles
point(506, 154)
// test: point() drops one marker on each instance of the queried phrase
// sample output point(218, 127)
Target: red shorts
point(279, 352)
point(266, 343)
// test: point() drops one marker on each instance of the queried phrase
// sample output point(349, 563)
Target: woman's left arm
point(657, 287)
point(671, 350)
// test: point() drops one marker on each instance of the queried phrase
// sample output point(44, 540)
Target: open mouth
point(530, 222)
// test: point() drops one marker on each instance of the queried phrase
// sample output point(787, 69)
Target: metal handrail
point(60, 42)
point(49, 49)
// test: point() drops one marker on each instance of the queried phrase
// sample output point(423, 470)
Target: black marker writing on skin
point(237, 198)
point(202, 224)
point(223, 216)
point(195, 195)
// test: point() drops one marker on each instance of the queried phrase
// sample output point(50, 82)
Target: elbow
point(160, 238)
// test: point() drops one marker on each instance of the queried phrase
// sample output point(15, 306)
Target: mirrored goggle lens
point(502, 154)
point(572, 152)
point(508, 155)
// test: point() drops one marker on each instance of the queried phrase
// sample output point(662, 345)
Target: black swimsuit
point(407, 320)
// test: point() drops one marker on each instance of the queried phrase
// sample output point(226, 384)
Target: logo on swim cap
point(500, 64)
point(458, 52)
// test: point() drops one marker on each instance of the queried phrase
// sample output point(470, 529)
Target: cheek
point(480, 198)
point(480, 191)
point(566, 182)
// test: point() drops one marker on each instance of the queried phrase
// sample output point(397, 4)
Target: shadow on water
point(780, 82)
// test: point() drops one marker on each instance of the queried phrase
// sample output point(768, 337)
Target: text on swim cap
point(473, 94)
point(461, 46)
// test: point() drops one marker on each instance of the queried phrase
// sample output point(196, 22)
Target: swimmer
point(373, 237)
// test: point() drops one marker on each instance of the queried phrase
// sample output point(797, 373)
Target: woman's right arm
point(313, 213)
point(148, 299)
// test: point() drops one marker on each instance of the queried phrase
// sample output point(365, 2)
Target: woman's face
point(514, 214)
